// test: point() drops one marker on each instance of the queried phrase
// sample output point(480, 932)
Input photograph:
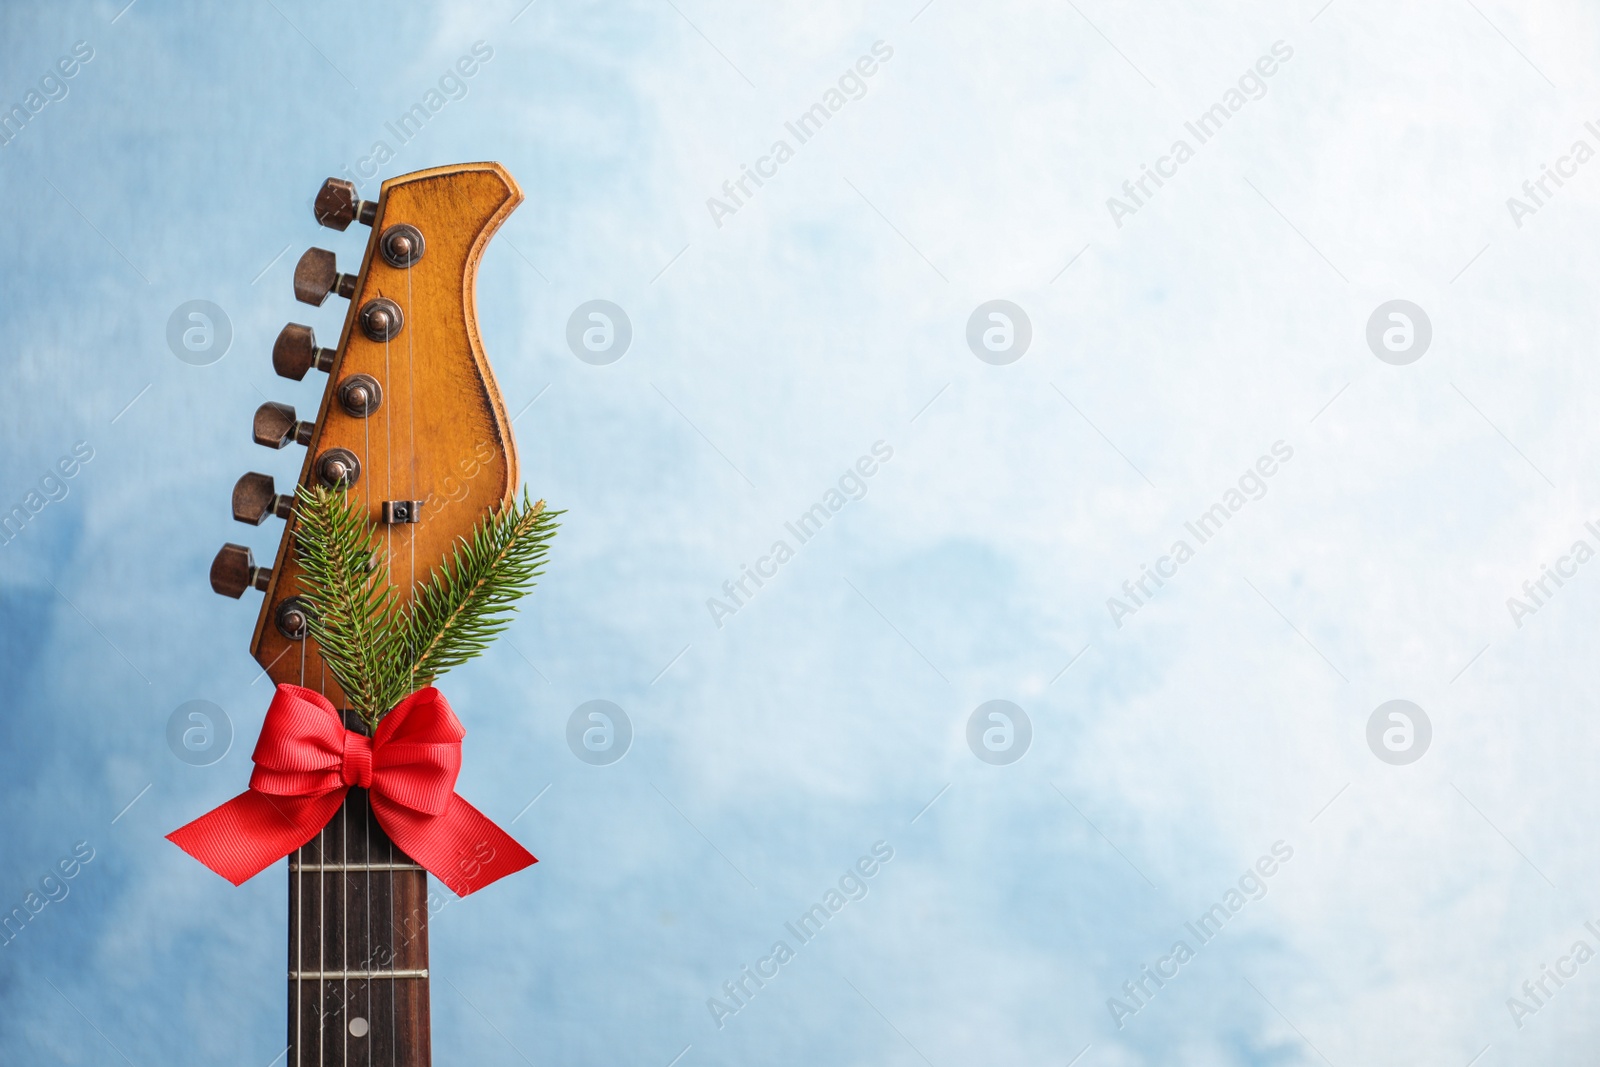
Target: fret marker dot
point(358, 1027)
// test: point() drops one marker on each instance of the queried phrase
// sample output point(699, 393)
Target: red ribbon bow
point(306, 761)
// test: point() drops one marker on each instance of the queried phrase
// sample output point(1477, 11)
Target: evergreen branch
point(469, 598)
point(378, 650)
point(354, 610)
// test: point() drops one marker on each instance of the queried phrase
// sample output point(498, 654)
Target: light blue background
point(769, 353)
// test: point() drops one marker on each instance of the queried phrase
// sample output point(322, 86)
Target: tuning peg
point(296, 352)
point(275, 426)
point(317, 275)
point(234, 570)
point(255, 497)
point(338, 468)
point(337, 205)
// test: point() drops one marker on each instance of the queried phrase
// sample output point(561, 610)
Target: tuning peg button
point(255, 497)
point(234, 570)
point(337, 205)
point(338, 468)
point(317, 275)
point(275, 426)
point(296, 352)
point(381, 319)
point(360, 395)
point(293, 618)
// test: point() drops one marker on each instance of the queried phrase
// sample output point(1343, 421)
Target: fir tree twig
point(379, 651)
point(469, 598)
point(353, 609)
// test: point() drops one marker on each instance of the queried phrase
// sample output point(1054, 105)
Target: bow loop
point(420, 776)
point(305, 763)
point(301, 746)
point(423, 717)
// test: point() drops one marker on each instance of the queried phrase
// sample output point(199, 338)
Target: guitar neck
point(358, 946)
point(410, 449)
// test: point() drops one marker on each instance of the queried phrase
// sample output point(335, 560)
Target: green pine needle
point(354, 610)
point(378, 650)
point(470, 597)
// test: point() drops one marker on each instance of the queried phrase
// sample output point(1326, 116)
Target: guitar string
point(322, 902)
point(366, 876)
point(388, 545)
point(366, 848)
point(342, 949)
point(299, 925)
point(322, 906)
point(368, 961)
point(411, 405)
point(344, 922)
point(388, 432)
point(321, 838)
point(343, 820)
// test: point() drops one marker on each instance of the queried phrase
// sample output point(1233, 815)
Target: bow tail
point(460, 847)
point(254, 830)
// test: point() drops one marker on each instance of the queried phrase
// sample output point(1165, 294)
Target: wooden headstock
point(411, 417)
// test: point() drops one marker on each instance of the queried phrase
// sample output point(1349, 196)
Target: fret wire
point(359, 867)
point(334, 976)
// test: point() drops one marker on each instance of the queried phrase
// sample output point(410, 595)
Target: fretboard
point(358, 948)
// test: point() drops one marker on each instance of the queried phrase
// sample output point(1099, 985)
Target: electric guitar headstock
point(411, 422)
